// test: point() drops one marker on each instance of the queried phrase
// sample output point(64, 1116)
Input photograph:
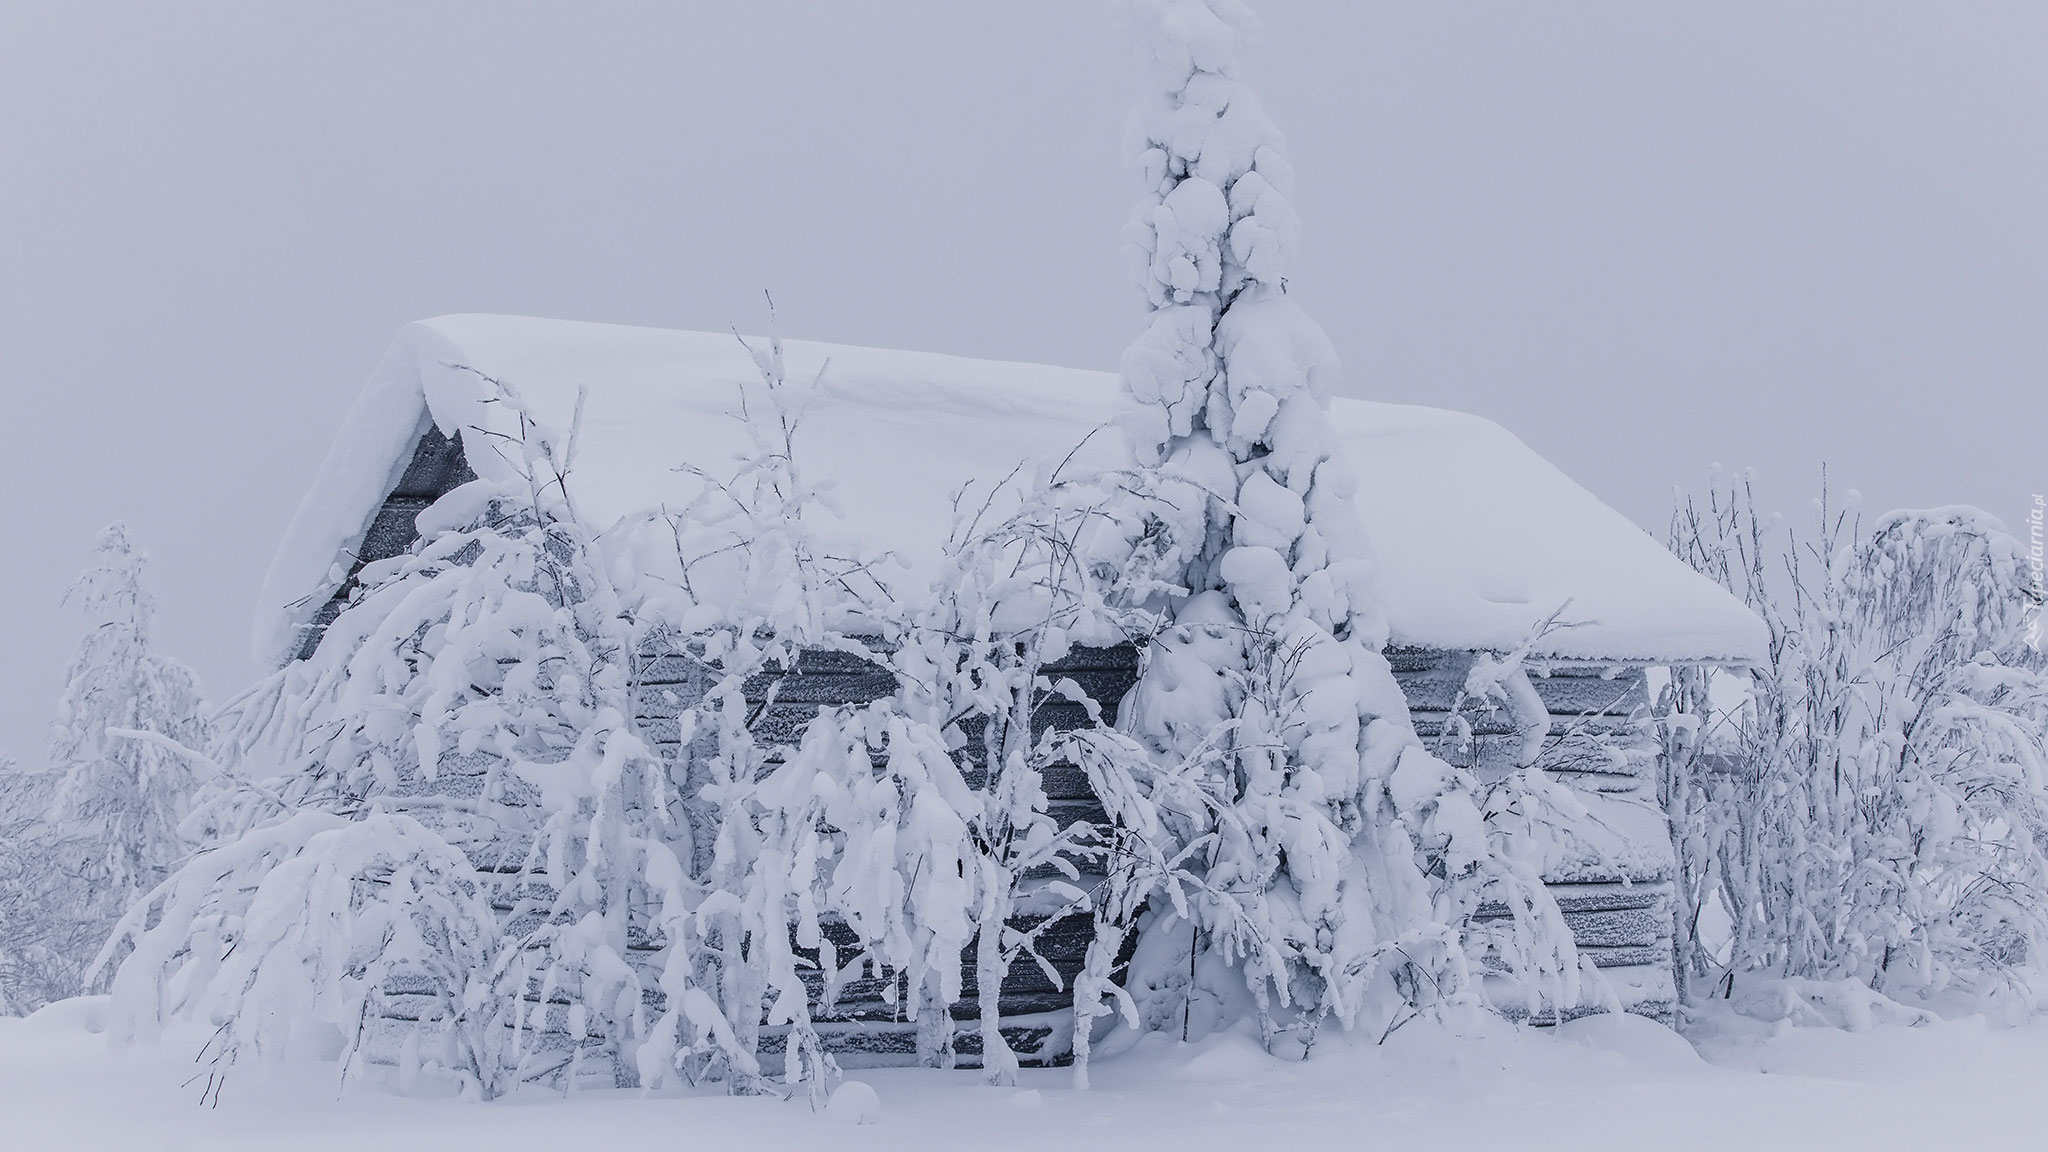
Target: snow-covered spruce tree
point(119, 799)
point(1878, 812)
point(1362, 854)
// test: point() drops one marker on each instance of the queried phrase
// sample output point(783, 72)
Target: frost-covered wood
point(866, 1021)
point(1610, 867)
point(434, 468)
point(1616, 902)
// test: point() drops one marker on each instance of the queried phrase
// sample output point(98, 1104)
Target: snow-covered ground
point(1595, 1084)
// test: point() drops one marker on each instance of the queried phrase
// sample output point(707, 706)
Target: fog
point(1644, 238)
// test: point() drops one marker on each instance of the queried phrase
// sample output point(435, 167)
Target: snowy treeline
point(101, 824)
point(1873, 806)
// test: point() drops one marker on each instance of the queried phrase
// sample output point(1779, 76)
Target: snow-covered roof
point(1478, 538)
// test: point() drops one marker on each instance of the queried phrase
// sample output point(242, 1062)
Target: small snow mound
point(1638, 1039)
point(1845, 1004)
point(79, 1014)
point(1230, 1057)
point(854, 1102)
point(1028, 1098)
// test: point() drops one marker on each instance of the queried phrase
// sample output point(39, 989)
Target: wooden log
point(1117, 657)
point(821, 687)
point(1600, 897)
point(437, 468)
point(1627, 957)
point(1572, 696)
point(1620, 928)
point(1040, 1040)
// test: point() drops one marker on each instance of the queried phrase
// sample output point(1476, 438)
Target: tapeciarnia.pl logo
point(2035, 570)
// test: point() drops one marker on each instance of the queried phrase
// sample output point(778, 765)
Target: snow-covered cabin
point(1479, 541)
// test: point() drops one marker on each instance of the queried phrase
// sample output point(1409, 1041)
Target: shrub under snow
point(1876, 809)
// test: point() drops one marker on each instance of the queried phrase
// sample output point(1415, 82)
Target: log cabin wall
point(1621, 916)
point(436, 469)
point(1589, 704)
point(867, 1025)
point(1617, 896)
point(1618, 904)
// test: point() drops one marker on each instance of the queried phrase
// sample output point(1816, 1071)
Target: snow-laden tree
point(50, 924)
point(373, 928)
point(884, 839)
point(126, 795)
point(1354, 854)
point(1012, 598)
point(467, 716)
point(1877, 809)
point(749, 592)
point(864, 872)
point(101, 825)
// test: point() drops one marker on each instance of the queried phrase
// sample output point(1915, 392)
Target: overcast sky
point(1644, 237)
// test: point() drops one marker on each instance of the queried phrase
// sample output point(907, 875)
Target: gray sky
point(1644, 237)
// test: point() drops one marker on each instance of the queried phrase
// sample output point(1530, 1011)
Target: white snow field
point(1614, 1082)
